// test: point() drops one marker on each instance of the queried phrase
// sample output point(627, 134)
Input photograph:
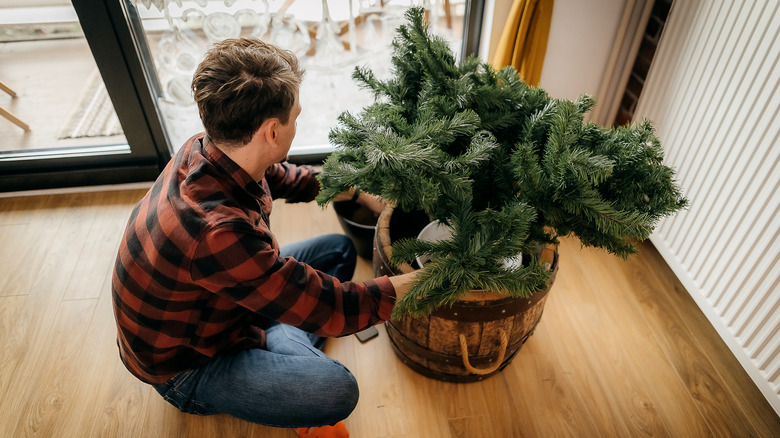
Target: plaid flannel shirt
point(199, 274)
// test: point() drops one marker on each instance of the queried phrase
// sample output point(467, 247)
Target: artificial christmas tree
point(504, 165)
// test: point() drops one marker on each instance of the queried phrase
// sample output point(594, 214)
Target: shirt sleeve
point(295, 183)
point(243, 266)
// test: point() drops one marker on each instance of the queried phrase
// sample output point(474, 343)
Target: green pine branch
point(503, 163)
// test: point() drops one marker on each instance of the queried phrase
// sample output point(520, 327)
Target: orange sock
point(338, 430)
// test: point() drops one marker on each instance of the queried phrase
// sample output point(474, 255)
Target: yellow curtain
point(523, 42)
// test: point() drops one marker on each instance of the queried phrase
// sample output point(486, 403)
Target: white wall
point(582, 35)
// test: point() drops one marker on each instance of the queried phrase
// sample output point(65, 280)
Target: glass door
point(99, 92)
point(70, 111)
point(330, 38)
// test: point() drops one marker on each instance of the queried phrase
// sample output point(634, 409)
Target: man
point(209, 309)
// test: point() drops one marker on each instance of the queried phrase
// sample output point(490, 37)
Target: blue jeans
point(292, 383)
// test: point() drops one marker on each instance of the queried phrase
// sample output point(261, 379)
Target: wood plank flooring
point(621, 351)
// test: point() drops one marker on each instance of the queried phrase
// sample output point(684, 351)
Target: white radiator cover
point(712, 93)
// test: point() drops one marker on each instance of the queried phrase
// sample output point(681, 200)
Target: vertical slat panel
point(675, 35)
point(710, 128)
point(693, 85)
point(713, 93)
point(754, 106)
point(722, 126)
point(761, 305)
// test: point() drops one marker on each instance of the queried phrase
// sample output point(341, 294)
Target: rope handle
point(464, 353)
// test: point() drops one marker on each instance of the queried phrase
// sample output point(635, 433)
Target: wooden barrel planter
point(472, 340)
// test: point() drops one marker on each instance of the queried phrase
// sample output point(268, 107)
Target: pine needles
point(502, 163)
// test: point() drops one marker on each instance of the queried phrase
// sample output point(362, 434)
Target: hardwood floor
point(622, 350)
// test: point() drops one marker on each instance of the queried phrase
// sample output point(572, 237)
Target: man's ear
point(268, 130)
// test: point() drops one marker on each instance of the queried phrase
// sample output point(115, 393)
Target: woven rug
point(94, 114)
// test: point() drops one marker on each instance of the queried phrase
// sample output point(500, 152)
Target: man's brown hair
point(242, 82)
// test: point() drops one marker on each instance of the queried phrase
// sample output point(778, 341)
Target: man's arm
point(242, 264)
point(294, 183)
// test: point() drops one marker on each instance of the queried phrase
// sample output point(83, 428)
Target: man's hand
point(402, 283)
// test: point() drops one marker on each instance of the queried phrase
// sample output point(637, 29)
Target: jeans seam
point(200, 406)
point(181, 397)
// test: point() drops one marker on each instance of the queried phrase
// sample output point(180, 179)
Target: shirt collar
point(214, 155)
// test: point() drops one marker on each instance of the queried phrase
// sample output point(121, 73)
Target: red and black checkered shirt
point(199, 274)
